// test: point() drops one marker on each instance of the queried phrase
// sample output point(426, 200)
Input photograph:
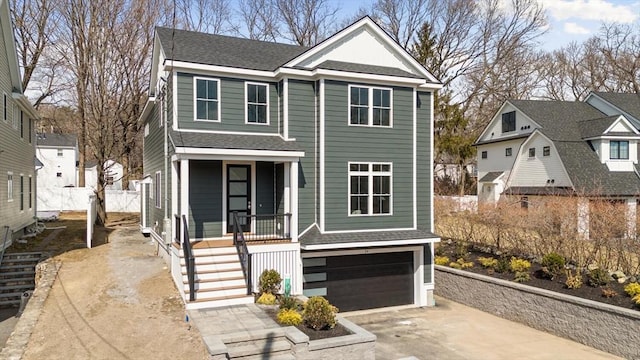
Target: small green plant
point(269, 282)
point(455, 265)
point(636, 299)
point(442, 260)
point(573, 281)
point(289, 317)
point(632, 289)
point(267, 299)
point(488, 262)
point(522, 276)
point(461, 250)
point(289, 302)
point(503, 265)
point(598, 277)
point(609, 292)
point(319, 314)
point(464, 264)
point(552, 265)
point(519, 265)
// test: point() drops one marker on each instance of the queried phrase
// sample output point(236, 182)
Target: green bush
point(573, 281)
point(519, 265)
point(289, 317)
point(319, 314)
point(552, 265)
point(461, 250)
point(269, 282)
point(522, 276)
point(598, 277)
point(488, 262)
point(442, 260)
point(455, 265)
point(503, 265)
point(289, 302)
point(267, 299)
point(633, 289)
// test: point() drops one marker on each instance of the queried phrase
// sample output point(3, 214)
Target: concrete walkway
point(454, 331)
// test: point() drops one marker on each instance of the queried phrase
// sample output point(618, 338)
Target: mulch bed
point(338, 330)
point(449, 249)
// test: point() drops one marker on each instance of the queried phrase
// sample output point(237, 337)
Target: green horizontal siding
point(205, 199)
point(424, 168)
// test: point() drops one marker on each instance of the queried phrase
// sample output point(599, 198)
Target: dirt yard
point(115, 301)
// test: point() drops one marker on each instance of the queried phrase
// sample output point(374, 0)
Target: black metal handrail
point(189, 259)
point(265, 227)
point(243, 252)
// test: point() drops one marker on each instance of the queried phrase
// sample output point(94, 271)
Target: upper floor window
point(10, 186)
point(546, 151)
point(370, 106)
point(207, 101)
point(532, 152)
point(619, 150)
point(508, 152)
point(509, 122)
point(30, 130)
point(369, 188)
point(484, 154)
point(257, 103)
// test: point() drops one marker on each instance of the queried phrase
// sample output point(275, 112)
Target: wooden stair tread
point(215, 298)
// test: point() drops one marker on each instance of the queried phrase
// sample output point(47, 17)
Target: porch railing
point(243, 252)
point(265, 227)
point(189, 259)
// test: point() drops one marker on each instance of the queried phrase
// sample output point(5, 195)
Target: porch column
point(293, 182)
point(184, 192)
point(175, 176)
point(631, 217)
point(583, 218)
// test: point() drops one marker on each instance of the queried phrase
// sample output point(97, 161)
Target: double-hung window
point(21, 192)
point(370, 188)
point(619, 150)
point(207, 99)
point(257, 103)
point(509, 122)
point(370, 106)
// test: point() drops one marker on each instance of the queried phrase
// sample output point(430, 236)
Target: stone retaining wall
point(605, 327)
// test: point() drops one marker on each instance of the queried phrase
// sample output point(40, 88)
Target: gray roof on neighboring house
point(363, 68)
point(491, 176)
point(539, 190)
point(314, 237)
point(232, 141)
point(596, 127)
point(209, 49)
point(628, 102)
point(56, 140)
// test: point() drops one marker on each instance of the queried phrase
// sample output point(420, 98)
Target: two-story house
point(586, 149)
point(59, 155)
point(17, 142)
point(319, 158)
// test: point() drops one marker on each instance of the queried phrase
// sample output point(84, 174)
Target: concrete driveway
point(454, 331)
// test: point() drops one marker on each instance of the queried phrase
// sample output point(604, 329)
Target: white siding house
point(58, 154)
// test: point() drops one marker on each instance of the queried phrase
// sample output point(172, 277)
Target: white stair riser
point(216, 267)
point(220, 293)
point(222, 275)
point(217, 284)
point(212, 258)
point(215, 251)
point(219, 303)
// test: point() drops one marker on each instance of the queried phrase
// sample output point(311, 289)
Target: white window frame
point(21, 192)
point(157, 190)
point(370, 174)
point(21, 125)
point(146, 129)
point(9, 186)
point(246, 103)
point(195, 98)
point(30, 192)
point(370, 106)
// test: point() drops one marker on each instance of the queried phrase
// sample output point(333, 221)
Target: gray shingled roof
point(314, 237)
point(596, 127)
point(363, 68)
point(490, 176)
point(539, 190)
point(628, 102)
point(232, 141)
point(209, 49)
point(56, 140)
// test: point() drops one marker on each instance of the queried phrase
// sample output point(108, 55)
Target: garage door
point(356, 282)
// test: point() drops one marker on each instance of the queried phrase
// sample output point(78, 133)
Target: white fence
point(462, 203)
point(92, 215)
point(75, 199)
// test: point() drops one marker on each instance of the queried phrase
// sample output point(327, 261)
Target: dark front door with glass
point(239, 195)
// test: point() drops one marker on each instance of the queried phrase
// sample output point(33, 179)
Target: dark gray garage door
point(356, 282)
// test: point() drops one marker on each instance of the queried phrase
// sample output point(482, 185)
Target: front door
point(239, 195)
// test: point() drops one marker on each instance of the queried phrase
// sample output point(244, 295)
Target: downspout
point(166, 158)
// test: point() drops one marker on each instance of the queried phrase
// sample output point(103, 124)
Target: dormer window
point(619, 150)
point(509, 122)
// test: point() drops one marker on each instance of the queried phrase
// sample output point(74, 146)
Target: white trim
point(370, 174)
point(253, 249)
point(353, 76)
point(415, 157)
point(22, 192)
point(307, 229)
point(340, 252)
point(174, 98)
point(246, 103)
point(31, 192)
point(293, 225)
point(9, 186)
point(620, 119)
point(499, 118)
point(366, 230)
point(431, 187)
point(176, 65)
point(158, 190)
point(420, 294)
point(369, 106)
point(239, 152)
point(367, 244)
point(285, 108)
point(322, 156)
point(174, 197)
point(195, 98)
point(230, 133)
point(184, 191)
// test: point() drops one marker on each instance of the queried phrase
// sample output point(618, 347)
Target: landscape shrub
point(552, 265)
point(598, 277)
point(455, 265)
point(319, 314)
point(289, 317)
point(289, 302)
point(488, 262)
point(522, 276)
point(461, 250)
point(573, 281)
point(636, 299)
point(267, 299)
point(461, 264)
point(503, 265)
point(269, 282)
point(632, 289)
point(609, 292)
point(519, 265)
point(442, 260)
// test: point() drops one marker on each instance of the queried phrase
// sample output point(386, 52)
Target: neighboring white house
point(112, 175)
point(58, 154)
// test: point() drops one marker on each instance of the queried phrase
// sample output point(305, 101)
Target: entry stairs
point(17, 276)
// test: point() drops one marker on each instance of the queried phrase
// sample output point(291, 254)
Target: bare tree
point(306, 22)
point(620, 46)
point(403, 18)
point(212, 16)
point(261, 19)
